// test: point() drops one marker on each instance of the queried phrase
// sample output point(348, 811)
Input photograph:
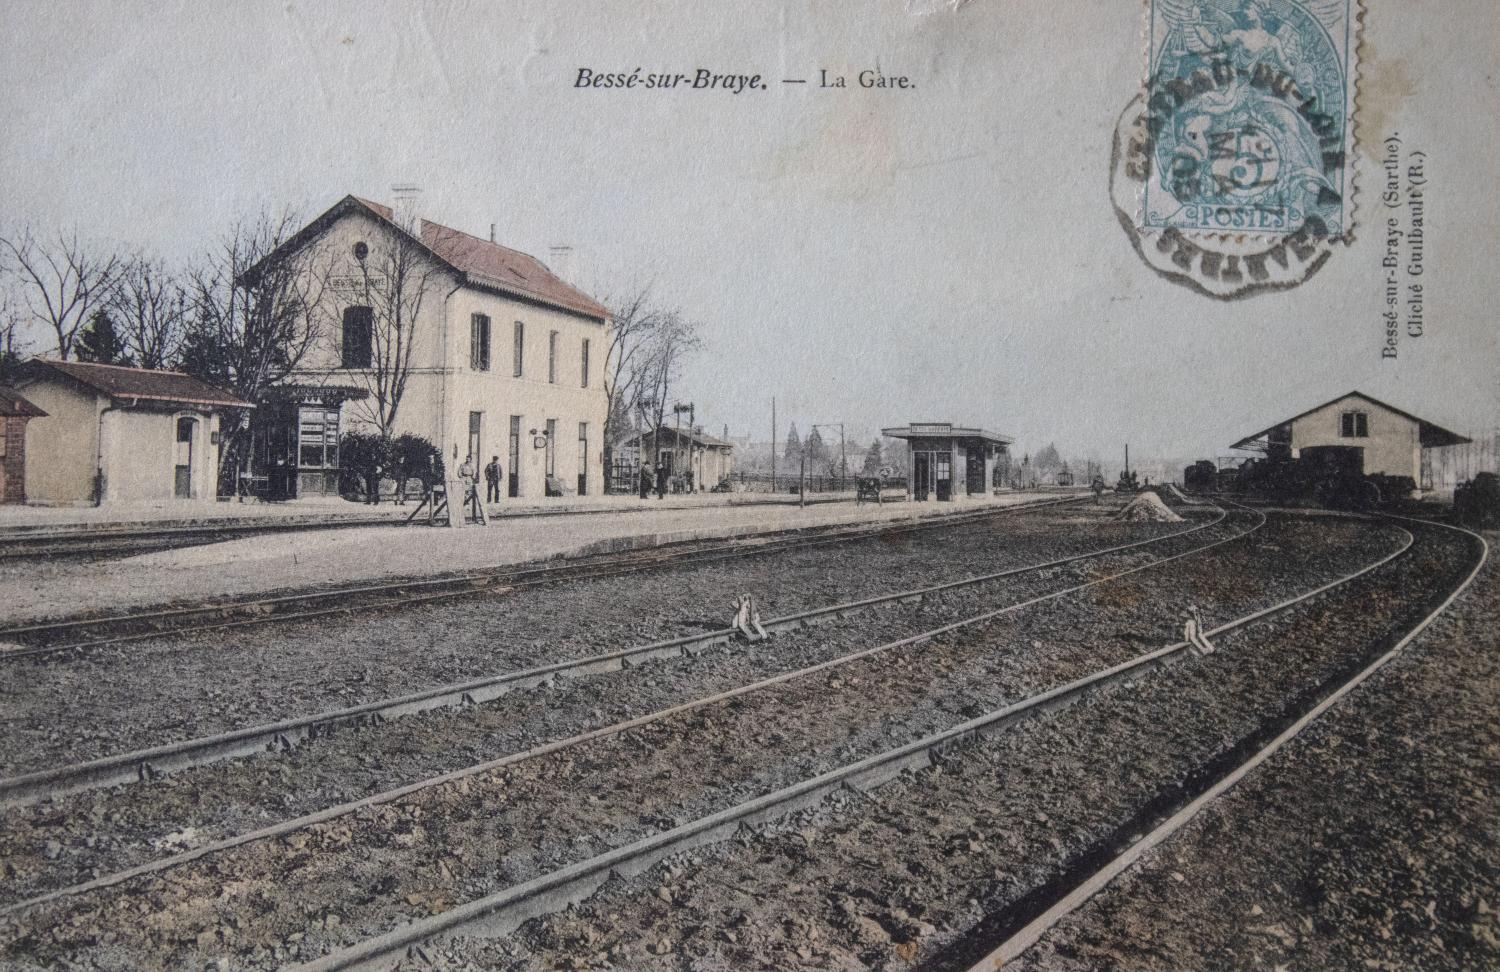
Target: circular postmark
point(1223, 265)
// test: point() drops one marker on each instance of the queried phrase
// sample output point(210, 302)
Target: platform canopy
point(945, 430)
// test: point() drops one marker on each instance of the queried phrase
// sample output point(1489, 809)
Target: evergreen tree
point(100, 343)
point(817, 452)
point(874, 459)
point(793, 453)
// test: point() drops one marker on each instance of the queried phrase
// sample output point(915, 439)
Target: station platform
point(276, 562)
point(19, 520)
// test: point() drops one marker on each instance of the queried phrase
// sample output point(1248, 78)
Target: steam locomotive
point(1329, 476)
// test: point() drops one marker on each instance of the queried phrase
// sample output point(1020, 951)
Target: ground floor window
point(514, 485)
point(317, 438)
point(583, 458)
point(552, 447)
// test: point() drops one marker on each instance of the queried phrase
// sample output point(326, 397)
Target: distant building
point(506, 358)
point(15, 412)
point(113, 434)
point(679, 451)
point(950, 462)
point(1385, 440)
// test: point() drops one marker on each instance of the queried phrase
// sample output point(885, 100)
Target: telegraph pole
point(773, 445)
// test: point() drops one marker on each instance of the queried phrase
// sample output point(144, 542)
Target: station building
point(675, 452)
point(1380, 439)
point(15, 412)
point(949, 462)
point(115, 434)
point(499, 356)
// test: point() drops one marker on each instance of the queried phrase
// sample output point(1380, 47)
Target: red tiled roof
point(490, 264)
point(12, 403)
point(139, 383)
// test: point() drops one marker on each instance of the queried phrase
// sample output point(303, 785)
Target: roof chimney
point(404, 210)
point(560, 261)
point(492, 233)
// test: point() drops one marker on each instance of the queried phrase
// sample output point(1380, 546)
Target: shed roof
point(697, 437)
point(1429, 434)
point(944, 430)
point(480, 262)
point(140, 384)
point(12, 404)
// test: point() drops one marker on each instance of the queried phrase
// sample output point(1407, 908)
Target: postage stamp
point(1250, 118)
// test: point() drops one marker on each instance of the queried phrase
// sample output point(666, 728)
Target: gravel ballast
point(904, 875)
point(272, 901)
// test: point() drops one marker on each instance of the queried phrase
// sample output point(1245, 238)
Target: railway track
point(68, 637)
point(550, 890)
point(35, 545)
point(499, 913)
point(283, 735)
point(450, 780)
point(557, 746)
point(1020, 931)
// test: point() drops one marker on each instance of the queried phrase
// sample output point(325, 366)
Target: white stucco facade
point(1391, 442)
point(541, 371)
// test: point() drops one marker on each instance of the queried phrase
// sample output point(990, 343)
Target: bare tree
point(635, 318)
point(672, 340)
point(150, 306)
point(252, 320)
point(395, 279)
point(63, 281)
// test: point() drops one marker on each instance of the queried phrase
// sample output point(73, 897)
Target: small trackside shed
point(1387, 440)
point(116, 434)
point(15, 412)
point(950, 462)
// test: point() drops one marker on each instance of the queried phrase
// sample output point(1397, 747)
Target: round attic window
point(361, 251)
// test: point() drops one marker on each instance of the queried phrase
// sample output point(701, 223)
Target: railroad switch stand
point(747, 619)
point(1192, 633)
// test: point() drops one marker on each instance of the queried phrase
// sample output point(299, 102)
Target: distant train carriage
point(1201, 477)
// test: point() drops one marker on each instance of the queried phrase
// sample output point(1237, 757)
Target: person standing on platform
point(492, 480)
point(645, 481)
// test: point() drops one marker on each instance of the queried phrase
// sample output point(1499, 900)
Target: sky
point(946, 252)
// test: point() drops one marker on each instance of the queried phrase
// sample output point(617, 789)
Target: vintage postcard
point(769, 484)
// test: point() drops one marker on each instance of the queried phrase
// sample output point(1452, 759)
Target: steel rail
point(1023, 939)
point(156, 761)
point(480, 582)
point(329, 813)
point(504, 911)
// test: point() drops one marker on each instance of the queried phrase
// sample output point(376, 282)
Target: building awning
point(945, 430)
point(1429, 435)
point(330, 395)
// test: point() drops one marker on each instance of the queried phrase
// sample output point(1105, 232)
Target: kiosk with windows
point(949, 462)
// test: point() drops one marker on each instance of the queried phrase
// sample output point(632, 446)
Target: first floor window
point(1354, 425)
point(479, 342)
point(552, 357)
point(518, 349)
point(359, 333)
point(585, 363)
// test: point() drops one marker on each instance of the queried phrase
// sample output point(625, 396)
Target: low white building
point(113, 434)
point(1384, 440)
point(499, 357)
